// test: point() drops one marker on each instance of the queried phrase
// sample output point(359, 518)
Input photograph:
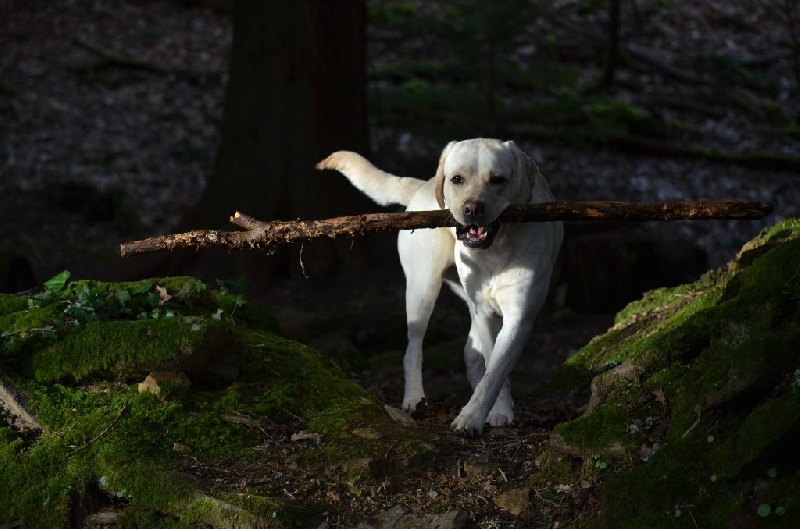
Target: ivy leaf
point(143, 288)
point(123, 296)
point(57, 282)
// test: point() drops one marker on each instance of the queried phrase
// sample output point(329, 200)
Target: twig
point(101, 434)
point(20, 417)
point(110, 59)
point(267, 235)
point(693, 426)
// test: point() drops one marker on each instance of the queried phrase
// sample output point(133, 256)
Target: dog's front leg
point(510, 341)
point(477, 353)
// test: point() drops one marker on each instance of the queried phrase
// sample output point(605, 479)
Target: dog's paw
point(501, 414)
point(468, 424)
point(410, 404)
point(500, 419)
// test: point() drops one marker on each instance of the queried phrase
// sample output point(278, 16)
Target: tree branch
point(266, 236)
point(13, 403)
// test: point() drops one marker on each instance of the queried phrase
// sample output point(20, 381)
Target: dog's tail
point(382, 187)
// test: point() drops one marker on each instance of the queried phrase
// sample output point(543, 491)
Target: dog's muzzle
point(475, 236)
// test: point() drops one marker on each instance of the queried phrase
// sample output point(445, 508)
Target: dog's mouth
point(475, 236)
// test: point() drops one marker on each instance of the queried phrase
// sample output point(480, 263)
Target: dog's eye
point(457, 179)
point(497, 180)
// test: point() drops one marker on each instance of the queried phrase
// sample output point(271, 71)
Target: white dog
point(504, 269)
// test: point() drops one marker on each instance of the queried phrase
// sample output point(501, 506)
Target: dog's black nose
point(473, 211)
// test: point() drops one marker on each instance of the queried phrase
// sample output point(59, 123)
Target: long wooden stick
point(268, 235)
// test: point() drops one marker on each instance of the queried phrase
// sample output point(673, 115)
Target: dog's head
point(478, 179)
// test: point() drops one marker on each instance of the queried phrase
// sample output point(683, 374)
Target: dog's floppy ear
point(439, 178)
point(527, 173)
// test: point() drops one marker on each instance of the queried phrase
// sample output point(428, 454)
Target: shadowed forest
point(121, 120)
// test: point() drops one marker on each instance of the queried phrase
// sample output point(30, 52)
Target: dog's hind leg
point(424, 254)
point(473, 358)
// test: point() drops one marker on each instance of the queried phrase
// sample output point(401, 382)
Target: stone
point(515, 501)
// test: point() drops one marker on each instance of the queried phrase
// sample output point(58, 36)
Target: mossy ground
point(103, 438)
point(696, 397)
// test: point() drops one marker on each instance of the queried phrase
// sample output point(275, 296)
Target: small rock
point(604, 383)
point(303, 436)
point(357, 466)
point(479, 467)
point(389, 518)
point(515, 501)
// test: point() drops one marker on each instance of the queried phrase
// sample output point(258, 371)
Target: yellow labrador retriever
point(503, 269)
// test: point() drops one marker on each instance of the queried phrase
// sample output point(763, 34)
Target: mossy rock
point(77, 352)
point(695, 392)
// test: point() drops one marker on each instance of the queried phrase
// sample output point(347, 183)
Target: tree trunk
point(296, 93)
point(612, 52)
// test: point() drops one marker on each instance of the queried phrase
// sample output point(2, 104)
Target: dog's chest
point(487, 299)
point(484, 275)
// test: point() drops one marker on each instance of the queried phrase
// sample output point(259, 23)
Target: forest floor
point(109, 123)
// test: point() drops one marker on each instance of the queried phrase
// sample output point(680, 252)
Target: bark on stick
point(266, 236)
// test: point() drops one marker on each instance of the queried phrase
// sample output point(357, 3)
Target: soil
point(115, 102)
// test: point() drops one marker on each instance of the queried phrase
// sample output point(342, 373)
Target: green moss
point(762, 440)
point(117, 347)
point(598, 433)
point(130, 445)
point(10, 303)
point(300, 381)
point(722, 355)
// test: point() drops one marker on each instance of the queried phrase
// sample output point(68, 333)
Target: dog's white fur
point(504, 285)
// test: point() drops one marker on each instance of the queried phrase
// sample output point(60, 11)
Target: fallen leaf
point(162, 292)
point(399, 415)
point(660, 396)
point(151, 381)
point(150, 385)
point(183, 291)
